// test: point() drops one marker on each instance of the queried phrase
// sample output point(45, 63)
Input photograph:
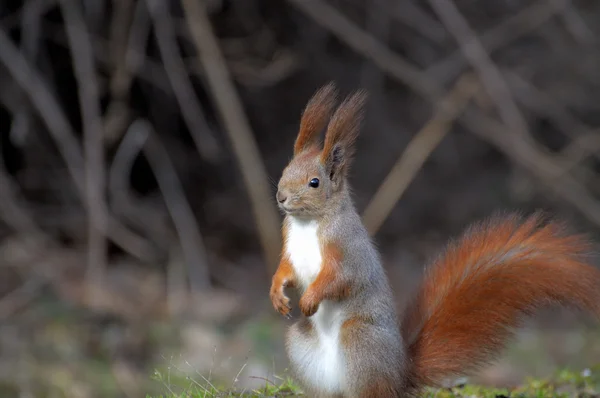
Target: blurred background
point(141, 142)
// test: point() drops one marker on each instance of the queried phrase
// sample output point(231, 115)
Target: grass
point(565, 383)
point(189, 387)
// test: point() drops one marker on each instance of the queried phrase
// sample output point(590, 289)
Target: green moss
point(565, 383)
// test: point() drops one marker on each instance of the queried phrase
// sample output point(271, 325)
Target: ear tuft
point(315, 117)
point(342, 131)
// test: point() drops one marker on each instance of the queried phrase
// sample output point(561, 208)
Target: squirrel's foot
point(309, 303)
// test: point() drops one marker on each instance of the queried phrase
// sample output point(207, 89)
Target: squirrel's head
point(316, 176)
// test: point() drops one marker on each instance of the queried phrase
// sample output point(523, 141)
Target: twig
point(284, 64)
point(117, 113)
point(498, 36)
point(31, 28)
point(47, 106)
point(189, 104)
point(368, 46)
point(491, 78)
point(30, 43)
point(541, 103)
point(138, 64)
point(121, 22)
point(190, 238)
point(579, 149)
point(493, 132)
point(238, 128)
point(123, 201)
point(378, 23)
point(135, 56)
point(15, 18)
point(416, 153)
point(413, 16)
point(563, 53)
point(543, 166)
point(83, 65)
point(93, 12)
point(575, 24)
point(585, 140)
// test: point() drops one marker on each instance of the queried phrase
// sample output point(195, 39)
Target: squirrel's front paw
point(280, 301)
point(309, 304)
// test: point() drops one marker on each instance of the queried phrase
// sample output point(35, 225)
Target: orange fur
point(328, 285)
point(315, 117)
point(343, 128)
point(475, 293)
point(471, 299)
point(349, 328)
point(283, 277)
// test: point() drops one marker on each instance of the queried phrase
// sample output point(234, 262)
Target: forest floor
point(564, 383)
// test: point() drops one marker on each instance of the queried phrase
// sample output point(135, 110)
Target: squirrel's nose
point(281, 197)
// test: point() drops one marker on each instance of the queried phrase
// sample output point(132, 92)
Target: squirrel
point(350, 342)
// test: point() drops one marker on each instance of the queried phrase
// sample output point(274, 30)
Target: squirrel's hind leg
point(374, 364)
point(316, 364)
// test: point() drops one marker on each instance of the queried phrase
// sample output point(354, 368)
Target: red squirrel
point(350, 341)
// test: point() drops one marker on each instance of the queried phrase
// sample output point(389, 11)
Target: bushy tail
point(474, 295)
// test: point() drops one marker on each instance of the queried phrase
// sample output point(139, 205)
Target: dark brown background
point(189, 290)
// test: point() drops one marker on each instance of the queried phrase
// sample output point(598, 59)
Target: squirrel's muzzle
point(281, 197)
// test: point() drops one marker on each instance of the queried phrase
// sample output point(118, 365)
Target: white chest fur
point(304, 249)
point(319, 362)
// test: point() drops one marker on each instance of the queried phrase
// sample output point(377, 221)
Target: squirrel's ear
point(342, 132)
point(315, 117)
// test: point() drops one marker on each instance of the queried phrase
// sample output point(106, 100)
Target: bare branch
point(188, 231)
point(546, 168)
point(541, 103)
point(491, 78)
point(41, 98)
point(413, 16)
point(137, 63)
point(189, 104)
point(83, 64)
point(580, 149)
point(368, 46)
point(238, 128)
point(520, 148)
point(497, 37)
point(575, 24)
point(30, 44)
point(124, 202)
point(117, 113)
point(416, 153)
point(378, 23)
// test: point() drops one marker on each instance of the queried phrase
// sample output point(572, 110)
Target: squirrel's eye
point(314, 183)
